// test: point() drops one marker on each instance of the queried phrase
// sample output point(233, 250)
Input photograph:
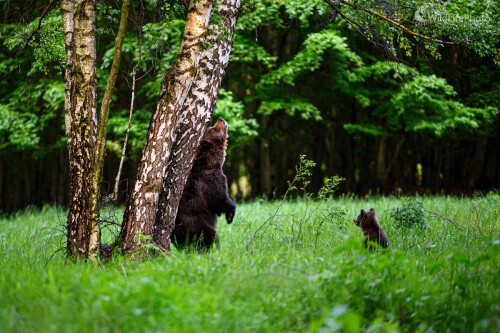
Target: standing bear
point(372, 230)
point(205, 196)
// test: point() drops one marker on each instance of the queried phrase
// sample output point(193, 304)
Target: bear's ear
point(363, 213)
point(372, 211)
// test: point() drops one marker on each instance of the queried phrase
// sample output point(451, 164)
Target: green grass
point(305, 270)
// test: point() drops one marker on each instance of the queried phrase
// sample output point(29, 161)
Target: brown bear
point(371, 229)
point(205, 196)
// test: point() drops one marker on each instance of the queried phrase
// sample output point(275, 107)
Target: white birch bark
point(141, 209)
point(195, 117)
point(80, 118)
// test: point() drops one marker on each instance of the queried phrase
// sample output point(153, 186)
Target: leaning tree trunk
point(80, 119)
point(141, 209)
point(194, 118)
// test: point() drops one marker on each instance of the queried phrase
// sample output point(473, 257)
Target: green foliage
point(47, 44)
point(413, 102)
point(461, 22)
point(310, 57)
point(263, 12)
point(246, 50)
point(305, 62)
point(292, 106)
point(448, 282)
point(409, 214)
point(22, 121)
point(17, 130)
point(241, 130)
point(31, 101)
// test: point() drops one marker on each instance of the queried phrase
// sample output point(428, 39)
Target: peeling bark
point(195, 117)
point(141, 210)
point(80, 118)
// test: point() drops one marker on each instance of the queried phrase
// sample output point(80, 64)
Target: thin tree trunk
point(67, 13)
point(395, 155)
point(131, 110)
point(80, 118)
point(477, 162)
point(265, 161)
point(141, 210)
point(95, 234)
point(381, 175)
point(194, 118)
point(125, 142)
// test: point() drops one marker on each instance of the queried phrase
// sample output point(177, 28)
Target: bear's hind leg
point(206, 239)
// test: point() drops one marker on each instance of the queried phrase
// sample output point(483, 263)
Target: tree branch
point(382, 17)
point(45, 12)
point(445, 218)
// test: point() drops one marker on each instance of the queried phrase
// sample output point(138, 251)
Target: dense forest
point(388, 112)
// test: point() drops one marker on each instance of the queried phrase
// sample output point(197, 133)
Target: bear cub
point(372, 230)
point(205, 196)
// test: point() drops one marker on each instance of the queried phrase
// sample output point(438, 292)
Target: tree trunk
point(127, 133)
point(265, 161)
point(95, 233)
point(477, 162)
point(194, 118)
point(142, 206)
point(80, 118)
point(381, 175)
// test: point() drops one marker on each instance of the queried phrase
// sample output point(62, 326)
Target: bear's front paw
point(230, 212)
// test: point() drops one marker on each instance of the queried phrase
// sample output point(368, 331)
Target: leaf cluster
point(409, 214)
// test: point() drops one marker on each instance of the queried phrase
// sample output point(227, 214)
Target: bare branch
point(446, 219)
point(45, 12)
point(132, 100)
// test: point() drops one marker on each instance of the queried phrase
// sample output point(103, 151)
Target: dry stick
point(123, 270)
point(446, 218)
point(131, 111)
point(124, 149)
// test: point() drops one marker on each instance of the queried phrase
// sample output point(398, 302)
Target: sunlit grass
point(301, 267)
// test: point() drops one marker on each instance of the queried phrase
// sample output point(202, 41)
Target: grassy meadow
point(297, 266)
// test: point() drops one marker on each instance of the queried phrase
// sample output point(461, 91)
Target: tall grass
point(305, 270)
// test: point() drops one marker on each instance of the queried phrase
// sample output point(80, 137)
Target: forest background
point(389, 112)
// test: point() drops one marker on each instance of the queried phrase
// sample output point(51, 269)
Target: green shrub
point(409, 214)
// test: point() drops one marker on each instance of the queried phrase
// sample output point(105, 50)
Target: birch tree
point(78, 18)
point(194, 119)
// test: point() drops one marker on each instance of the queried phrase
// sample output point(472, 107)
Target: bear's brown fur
point(371, 229)
point(205, 196)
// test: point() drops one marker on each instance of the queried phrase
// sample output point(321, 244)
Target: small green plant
point(146, 248)
point(331, 185)
point(302, 175)
point(309, 215)
point(409, 214)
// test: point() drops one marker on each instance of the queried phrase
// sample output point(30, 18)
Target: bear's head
point(217, 134)
point(364, 218)
point(214, 144)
